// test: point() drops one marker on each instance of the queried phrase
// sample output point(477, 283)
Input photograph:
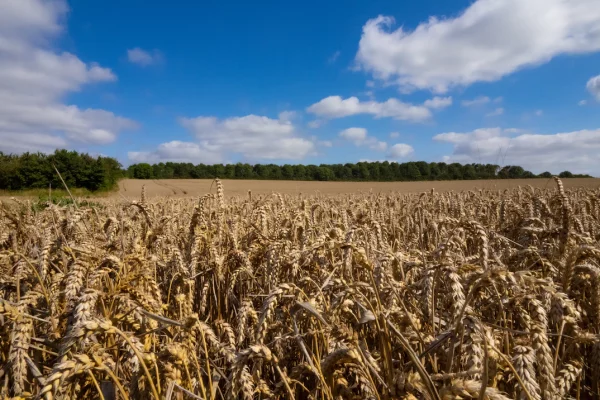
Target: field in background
point(131, 188)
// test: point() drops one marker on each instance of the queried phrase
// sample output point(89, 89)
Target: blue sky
point(501, 81)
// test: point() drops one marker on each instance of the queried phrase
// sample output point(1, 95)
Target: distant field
point(131, 188)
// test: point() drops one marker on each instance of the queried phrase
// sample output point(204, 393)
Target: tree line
point(361, 171)
point(79, 170)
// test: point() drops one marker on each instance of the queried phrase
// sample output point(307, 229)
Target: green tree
point(424, 169)
point(274, 172)
point(243, 171)
point(503, 173)
point(79, 170)
point(363, 171)
point(324, 174)
point(229, 171)
point(469, 172)
point(300, 172)
point(565, 174)
point(34, 170)
point(455, 171)
point(515, 172)
point(143, 171)
point(287, 172)
point(219, 171)
point(434, 170)
point(412, 171)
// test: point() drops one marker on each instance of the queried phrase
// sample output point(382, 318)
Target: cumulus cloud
point(582, 102)
point(360, 137)
point(400, 150)
point(34, 78)
point(315, 124)
point(143, 57)
point(488, 40)
point(593, 86)
point(496, 112)
point(254, 137)
point(288, 115)
point(176, 151)
point(378, 145)
point(336, 107)
point(574, 151)
point(477, 101)
point(355, 135)
point(394, 135)
point(19, 142)
point(29, 20)
point(438, 102)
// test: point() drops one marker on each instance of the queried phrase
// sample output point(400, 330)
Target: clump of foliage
point(79, 170)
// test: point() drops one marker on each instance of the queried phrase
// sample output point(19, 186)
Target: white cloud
point(360, 137)
point(487, 41)
point(334, 57)
point(143, 57)
point(378, 145)
point(254, 137)
point(574, 151)
point(315, 124)
point(35, 78)
point(355, 135)
point(336, 107)
point(394, 135)
point(538, 113)
point(370, 160)
point(101, 136)
point(30, 20)
point(477, 101)
point(19, 142)
point(370, 94)
point(89, 126)
point(176, 151)
point(400, 150)
point(325, 143)
point(496, 112)
point(582, 102)
point(287, 115)
point(438, 102)
point(593, 86)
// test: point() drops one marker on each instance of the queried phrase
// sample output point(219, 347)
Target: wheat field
point(483, 294)
point(178, 188)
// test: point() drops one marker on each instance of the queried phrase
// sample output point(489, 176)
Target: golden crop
point(484, 295)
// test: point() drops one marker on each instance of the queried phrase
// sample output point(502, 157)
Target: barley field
point(490, 293)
